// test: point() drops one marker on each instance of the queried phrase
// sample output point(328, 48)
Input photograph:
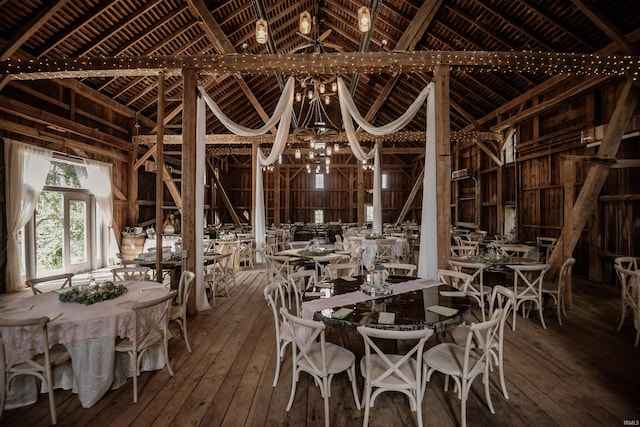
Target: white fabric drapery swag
point(428, 255)
point(350, 111)
point(281, 114)
point(202, 302)
point(25, 180)
point(98, 181)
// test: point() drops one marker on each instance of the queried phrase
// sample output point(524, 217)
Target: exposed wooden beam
point(225, 197)
point(323, 63)
point(412, 195)
point(607, 27)
point(29, 28)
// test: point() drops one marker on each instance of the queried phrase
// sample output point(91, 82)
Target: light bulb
point(298, 97)
point(336, 147)
point(334, 87)
point(327, 100)
point(261, 31)
point(322, 88)
point(364, 19)
point(298, 154)
point(305, 23)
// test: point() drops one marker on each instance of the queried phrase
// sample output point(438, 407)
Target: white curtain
point(428, 256)
point(281, 114)
point(25, 180)
point(98, 181)
point(349, 113)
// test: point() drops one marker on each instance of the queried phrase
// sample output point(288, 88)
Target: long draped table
point(414, 304)
point(89, 333)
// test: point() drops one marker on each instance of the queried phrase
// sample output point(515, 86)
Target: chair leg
point(183, 324)
point(622, 314)
point(52, 401)
point(539, 303)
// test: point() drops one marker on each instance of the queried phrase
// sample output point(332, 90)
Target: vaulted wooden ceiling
point(55, 29)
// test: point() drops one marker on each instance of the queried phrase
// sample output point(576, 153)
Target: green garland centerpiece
point(91, 295)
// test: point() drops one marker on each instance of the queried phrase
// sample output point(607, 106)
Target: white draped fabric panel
point(25, 180)
point(202, 302)
point(350, 111)
point(281, 114)
point(99, 180)
point(428, 256)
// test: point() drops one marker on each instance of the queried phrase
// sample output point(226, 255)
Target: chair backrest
point(299, 282)
point(456, 279)
point(629, 281)
point(385, 249)
point(14, 355)
point(64, 279)
point(274, 295)
point(278, 267)
point(130, 273)
point(505, 299)
point(463, 250)
point(527, 280)
point(153, 318)
point(185, 286)
point(465, 240)
point(335, 271)
point(626, 263)
point(400, 268)
point(392, 371)
point(481, 336)
point(474, 269)
point(304, 341)
point(298, 244)
point(565, 273)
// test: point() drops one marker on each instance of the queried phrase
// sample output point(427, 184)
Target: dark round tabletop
point(410, 309)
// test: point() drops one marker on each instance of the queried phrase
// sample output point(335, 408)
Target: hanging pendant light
point(298, 154)
point(364, 19)
point(305, 23)
point(336, 147)
point(261, 31)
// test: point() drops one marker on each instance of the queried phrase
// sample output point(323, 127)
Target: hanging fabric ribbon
point(349, 113)
point(281, 114)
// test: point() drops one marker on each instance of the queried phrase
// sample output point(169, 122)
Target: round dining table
point(415, 304)
point(89, 333)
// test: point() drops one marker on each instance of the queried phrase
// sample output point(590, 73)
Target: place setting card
point(452, 294)
point(386, 318)
point(341, 313)
point(443, 311)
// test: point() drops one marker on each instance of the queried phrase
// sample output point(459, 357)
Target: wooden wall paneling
point(587, 198)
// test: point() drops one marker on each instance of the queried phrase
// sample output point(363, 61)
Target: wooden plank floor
point(583, 373)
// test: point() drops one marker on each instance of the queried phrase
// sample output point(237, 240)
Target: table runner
point(310, 307)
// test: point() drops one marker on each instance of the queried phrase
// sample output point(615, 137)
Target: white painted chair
point(400, 269)
point(217, 276)
point(178, 312)
point(384, 372)
point(527, 285)
point(546, 245)
point(157, 331)
point(385, 251)
point(274, 294)
point(63, 279)
point(465, 362)
point(463, 250)
point(456, 279)
point(556, 290)
point(122, 274)
point(318, 358)
point(335, 271)
point(631, 264)
point(501, 298)
point(630, 288)
point(476, 287)
point(17, 360)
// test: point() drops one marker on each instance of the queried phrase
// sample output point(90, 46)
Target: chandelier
point(316, 125)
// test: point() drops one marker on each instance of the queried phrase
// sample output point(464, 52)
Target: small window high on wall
point(368, 213)
point(318, 216)
point(385, 180)
point(319, 181)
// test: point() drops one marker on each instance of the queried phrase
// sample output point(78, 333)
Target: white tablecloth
point(89, 334)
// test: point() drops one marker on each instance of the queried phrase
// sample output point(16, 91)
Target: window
point(63, 236)
point(385, 180)
point(509, 150)
point(368, 213)
point(318, 215)
point(319, 181)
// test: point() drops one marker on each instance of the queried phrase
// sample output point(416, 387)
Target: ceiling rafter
point(607, 27)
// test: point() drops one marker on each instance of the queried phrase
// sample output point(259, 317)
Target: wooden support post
point(159, 152)
point(443, 164)
point(189, 125)
point(568, 172)
point(276, 195)
point(360, 189)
